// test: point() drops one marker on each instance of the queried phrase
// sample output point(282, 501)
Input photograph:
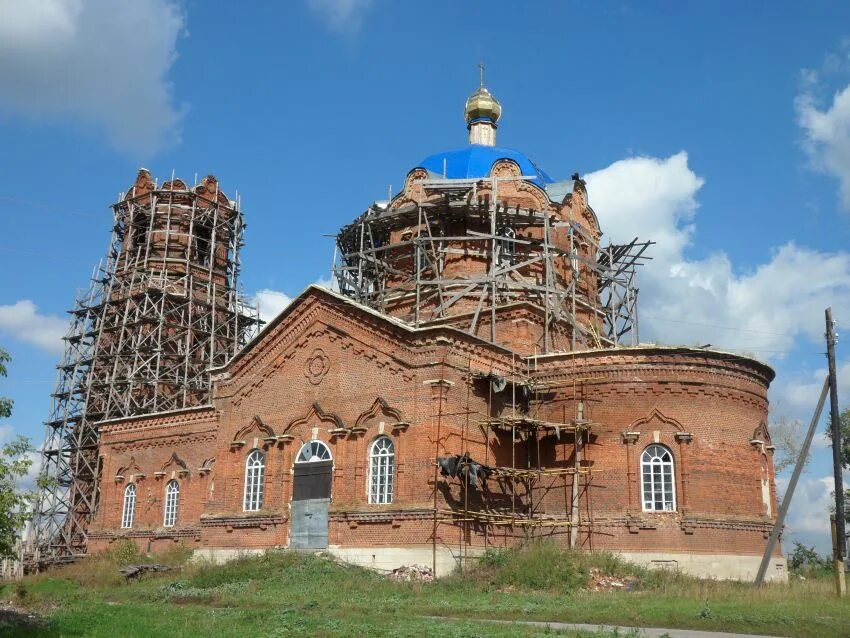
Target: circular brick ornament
point(317, 366)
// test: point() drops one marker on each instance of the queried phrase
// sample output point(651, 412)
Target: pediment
point(319, 330)
point(129, 469)
point(656, 420)
point(762, 434)
point(173, 464)
point(315, 416)
point(379, 410)
point(207, 465)
point(256, 424)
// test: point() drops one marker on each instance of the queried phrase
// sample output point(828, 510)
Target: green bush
point(805, 561)
point(541, 566)
point(124, 552)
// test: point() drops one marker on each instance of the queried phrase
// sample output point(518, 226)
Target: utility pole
point(792, 485)
point(840, 531)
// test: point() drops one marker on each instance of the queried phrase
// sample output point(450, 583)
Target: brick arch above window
point(762, 434)
point(315, 415)
point(173, 464)
point(656, 420)
point(126, 472)
point(392, 417)
point(207, 466)
point(256, 424)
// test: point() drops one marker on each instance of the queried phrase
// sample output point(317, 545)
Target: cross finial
point(481, 69)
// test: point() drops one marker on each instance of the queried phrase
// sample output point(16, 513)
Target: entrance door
point(311, 497)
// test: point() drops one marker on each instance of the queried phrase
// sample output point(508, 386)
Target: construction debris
point(134, 571)
point(407, 573)
point(600, 582)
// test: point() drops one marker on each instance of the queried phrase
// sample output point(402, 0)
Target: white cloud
point(811, 505)
point(270, 303)
point(100, 62)
point(685, 301)
point(328, 282)
point(798, 392)
point(23, 322)
point(827, 136)
point(341, 15)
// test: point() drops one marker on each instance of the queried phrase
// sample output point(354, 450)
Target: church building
point(474, 380)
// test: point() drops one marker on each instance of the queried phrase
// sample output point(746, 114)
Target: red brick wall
point(325, 364)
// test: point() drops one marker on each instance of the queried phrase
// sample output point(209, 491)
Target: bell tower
point(161, 311)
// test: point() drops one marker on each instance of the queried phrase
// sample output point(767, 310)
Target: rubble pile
point(600, 582)
point(412, 572)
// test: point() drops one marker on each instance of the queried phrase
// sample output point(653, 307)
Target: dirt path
point(644, 632)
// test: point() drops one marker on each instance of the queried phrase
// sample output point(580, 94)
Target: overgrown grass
point(284, 593)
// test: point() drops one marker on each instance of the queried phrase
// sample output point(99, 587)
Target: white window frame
point(381, 479)
point(314, 451)
point(172, 501)
point(128, 511)
point(255, 475)
point(657, 479)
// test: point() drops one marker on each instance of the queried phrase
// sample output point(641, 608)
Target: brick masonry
point(329, 369)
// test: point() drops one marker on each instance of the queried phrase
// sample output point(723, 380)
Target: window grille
point(255, 471)
point(314, 451)
point(172, 498)
point(129, 511)
point(381, 470)
point(657, 478)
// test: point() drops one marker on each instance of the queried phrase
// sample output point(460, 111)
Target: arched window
point(381, 470)
point(172, 498)
point(314, 451)
point(657, 479)
point(255, 473)
point(129, 506)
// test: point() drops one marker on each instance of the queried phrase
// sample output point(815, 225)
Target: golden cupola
point(482, 113)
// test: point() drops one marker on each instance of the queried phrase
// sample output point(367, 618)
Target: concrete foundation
point(221, 555)
point(385, 559)
point(717, 566)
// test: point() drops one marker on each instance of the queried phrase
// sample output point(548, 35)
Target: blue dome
point(476, 160)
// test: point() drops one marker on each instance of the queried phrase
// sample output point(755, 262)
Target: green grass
point(289, 594)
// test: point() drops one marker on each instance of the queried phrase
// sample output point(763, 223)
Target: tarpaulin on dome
point(476, 161)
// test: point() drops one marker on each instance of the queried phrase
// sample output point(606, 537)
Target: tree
point(15, 461)
point(5, 404)
point(787, 436)
point(805, 560)
point(844, 427)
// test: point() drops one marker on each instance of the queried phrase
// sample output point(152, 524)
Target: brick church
point(474, 380)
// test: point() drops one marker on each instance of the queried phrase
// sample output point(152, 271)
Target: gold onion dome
point(481, 105)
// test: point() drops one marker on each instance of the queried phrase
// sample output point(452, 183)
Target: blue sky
point(720, 130)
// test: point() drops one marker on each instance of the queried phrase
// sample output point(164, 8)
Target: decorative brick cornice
point(383, 516)
point(186, 416)
point(236, 521)
point(152, 534)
